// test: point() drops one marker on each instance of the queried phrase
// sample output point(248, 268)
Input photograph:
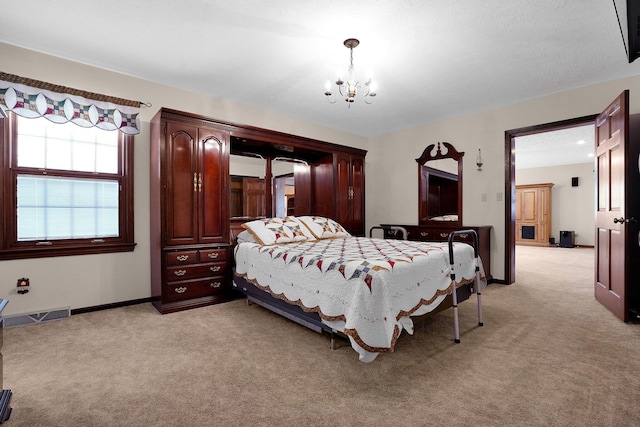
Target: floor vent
point(30, 319)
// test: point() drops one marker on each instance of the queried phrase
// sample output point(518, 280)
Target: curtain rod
point(71, 91)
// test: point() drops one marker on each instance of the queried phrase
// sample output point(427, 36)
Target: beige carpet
point(548, 355)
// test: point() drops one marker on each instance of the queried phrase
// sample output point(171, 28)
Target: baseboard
point(110, 306)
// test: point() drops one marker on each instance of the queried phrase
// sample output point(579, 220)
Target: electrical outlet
point(499, 196)
point(483, 197)
point(23, 285)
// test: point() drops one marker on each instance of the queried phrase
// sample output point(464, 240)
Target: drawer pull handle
point(180, 272)
point(213, 255)
point(215, 284)
point(182, 257)
point(464, 236)
point(181, 289)
point(215, 268)
point(444, 235)
point(423, 233)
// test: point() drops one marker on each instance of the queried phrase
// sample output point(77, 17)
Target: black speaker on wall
point(574, 181)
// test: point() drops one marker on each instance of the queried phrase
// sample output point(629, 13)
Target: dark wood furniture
point(5, 395)
point(440, 233)
point(330, 183)
point(349, 190)
point(189, 212)
point(192, 198)
point(440, 197)
point(440, 184)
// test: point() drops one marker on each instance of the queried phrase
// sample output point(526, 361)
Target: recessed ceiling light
point(590, 155)
point(582, 141)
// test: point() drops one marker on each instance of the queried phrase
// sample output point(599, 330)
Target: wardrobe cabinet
point(350, 192)
point(189, 212)
point(533, 214)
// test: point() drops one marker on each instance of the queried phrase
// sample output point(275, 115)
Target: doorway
point(511, 139)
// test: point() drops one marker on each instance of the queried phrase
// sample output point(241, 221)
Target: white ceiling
point(556, 148)
point(432, 59)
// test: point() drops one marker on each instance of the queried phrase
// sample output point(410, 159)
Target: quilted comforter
point(366, 288)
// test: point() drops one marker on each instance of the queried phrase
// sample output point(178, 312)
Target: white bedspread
point(366, 288)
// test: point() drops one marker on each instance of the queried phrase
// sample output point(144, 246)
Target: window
point(67, 190)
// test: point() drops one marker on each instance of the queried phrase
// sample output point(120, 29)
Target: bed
point(311, 270)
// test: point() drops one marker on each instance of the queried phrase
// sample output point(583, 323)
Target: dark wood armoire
point(190, 249)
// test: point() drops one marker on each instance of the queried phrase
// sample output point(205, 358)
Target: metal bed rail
point(391, 230)
point(456, 324)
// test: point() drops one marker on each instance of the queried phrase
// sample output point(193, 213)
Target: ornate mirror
point(440, 185)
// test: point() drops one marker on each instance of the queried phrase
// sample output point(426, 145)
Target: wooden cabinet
point(189, 212)
point(440, 233)
point(533, 214)
point(338, 190)
point(350, 192)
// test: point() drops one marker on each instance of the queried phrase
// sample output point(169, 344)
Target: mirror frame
point(427, 155)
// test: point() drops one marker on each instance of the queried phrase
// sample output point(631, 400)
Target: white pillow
point(245, 236)
point(324, 228)
point(270, 231)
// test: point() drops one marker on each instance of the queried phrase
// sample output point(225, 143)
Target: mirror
point(271, 177)
point(440, 185)
point(284, 189)
point(247, 186)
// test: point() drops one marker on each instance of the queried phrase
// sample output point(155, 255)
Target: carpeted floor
point(548, 355)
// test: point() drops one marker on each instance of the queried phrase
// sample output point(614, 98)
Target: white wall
point(392, 177)
point(90, 280)
point(573, 208)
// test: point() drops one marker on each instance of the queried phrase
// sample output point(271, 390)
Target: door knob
point(621, 220)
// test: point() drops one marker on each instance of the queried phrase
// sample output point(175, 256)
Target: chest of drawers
point(194, 277)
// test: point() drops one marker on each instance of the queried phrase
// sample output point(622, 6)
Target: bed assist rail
point(476, 287)
point(391, 231)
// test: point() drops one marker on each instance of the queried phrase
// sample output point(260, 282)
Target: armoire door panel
point(342, 190)
point(530, 211)
point(213, 190)
point(357, 193)
point(181, 184)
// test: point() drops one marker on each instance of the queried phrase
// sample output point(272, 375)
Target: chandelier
point(351, 87)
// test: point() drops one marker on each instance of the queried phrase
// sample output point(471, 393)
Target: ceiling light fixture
point(349, 89)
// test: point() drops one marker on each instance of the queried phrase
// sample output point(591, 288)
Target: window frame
point(11, 248)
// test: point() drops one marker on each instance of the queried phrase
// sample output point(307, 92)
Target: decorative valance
point(60, 104)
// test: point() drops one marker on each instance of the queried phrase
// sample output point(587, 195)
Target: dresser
point(440, 233)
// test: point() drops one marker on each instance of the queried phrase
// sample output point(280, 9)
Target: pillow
point(324, 228)
point(444, 218)
point(270, 231)
point(245, 236)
